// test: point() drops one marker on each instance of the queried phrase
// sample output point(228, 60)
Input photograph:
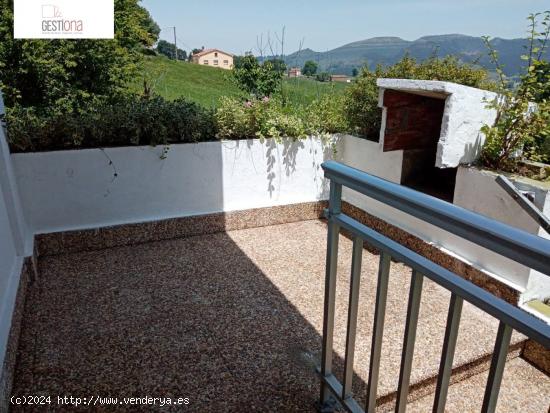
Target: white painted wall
point(477, 190)
point(10, 271)
point(369, 157)
point(15, 241)
point(77, 189)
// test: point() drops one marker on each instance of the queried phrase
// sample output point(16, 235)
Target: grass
point(171, 79)
point(205, 85)
point(304, 91)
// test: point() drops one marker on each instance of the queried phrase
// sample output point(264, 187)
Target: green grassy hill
point(205, 85)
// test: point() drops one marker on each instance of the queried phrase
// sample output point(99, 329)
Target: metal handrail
point(503, 239)
point(515, 317)
point(510, 242)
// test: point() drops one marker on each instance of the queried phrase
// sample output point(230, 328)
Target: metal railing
point(520, 246)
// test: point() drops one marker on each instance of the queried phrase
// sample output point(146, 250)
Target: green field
point(205, 85)
point(304, 91)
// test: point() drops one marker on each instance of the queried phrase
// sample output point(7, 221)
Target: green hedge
point(125, 122)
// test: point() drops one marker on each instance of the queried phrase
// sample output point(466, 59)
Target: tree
point(279, 65)
point(255, 79)
point(310, 68)
point(134, 26)
point(323, 77)
point(354, 72)
point(63, 75)
point(167, 49)
point(151, 27)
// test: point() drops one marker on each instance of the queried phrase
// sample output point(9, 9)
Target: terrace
point(136, 276)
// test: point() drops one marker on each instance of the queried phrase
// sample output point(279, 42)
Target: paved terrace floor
point(233, 322)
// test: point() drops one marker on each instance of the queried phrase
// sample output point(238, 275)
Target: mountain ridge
point(387, 50)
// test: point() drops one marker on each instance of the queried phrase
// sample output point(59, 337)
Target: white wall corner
point(22, 236)
point(384, 116)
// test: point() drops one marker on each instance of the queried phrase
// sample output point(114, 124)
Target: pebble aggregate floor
point(230, 320)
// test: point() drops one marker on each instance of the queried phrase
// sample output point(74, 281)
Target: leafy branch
point(519, 122)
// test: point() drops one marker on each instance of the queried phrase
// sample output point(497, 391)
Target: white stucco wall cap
point(435, 88)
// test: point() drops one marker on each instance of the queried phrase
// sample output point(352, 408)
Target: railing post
point(502, 342)
point(352, 316)
point(447, 356)
point(335, 207)
point(415, 293)
point(378, 330)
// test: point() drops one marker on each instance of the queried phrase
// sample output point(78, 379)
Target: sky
point(238, 26)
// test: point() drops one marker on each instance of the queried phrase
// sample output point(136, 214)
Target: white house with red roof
point(213, 57)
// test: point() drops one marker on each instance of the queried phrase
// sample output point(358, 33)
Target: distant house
point(294, 72)
point(340, 78)
point(213, 57)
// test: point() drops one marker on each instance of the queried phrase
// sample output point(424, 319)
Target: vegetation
point(204, 85)
point(122, 122)
point(361, 103)
point(270, 118)
point(323, 77)
point(53, 89)
point(542, 73)
point(310, 68)
point(169, 50)
point(255, 79)
point(64, 94)
point(63, 75)
point(278, 65)
point(521, 129)
point(303, 91)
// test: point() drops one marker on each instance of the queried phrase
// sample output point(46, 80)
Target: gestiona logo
point(53, 21)
point(63, 19)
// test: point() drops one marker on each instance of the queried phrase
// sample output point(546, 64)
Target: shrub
point(310, 68)
point(265, 118)
point(235, 119)
point(323, 77)
point(327, 115)
point(361, 103)
point(123, 122)
point(269, 118)
point(538, 149)
point(521, 127)
point(255, 79)
point(274, 120)
point(542, 76)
